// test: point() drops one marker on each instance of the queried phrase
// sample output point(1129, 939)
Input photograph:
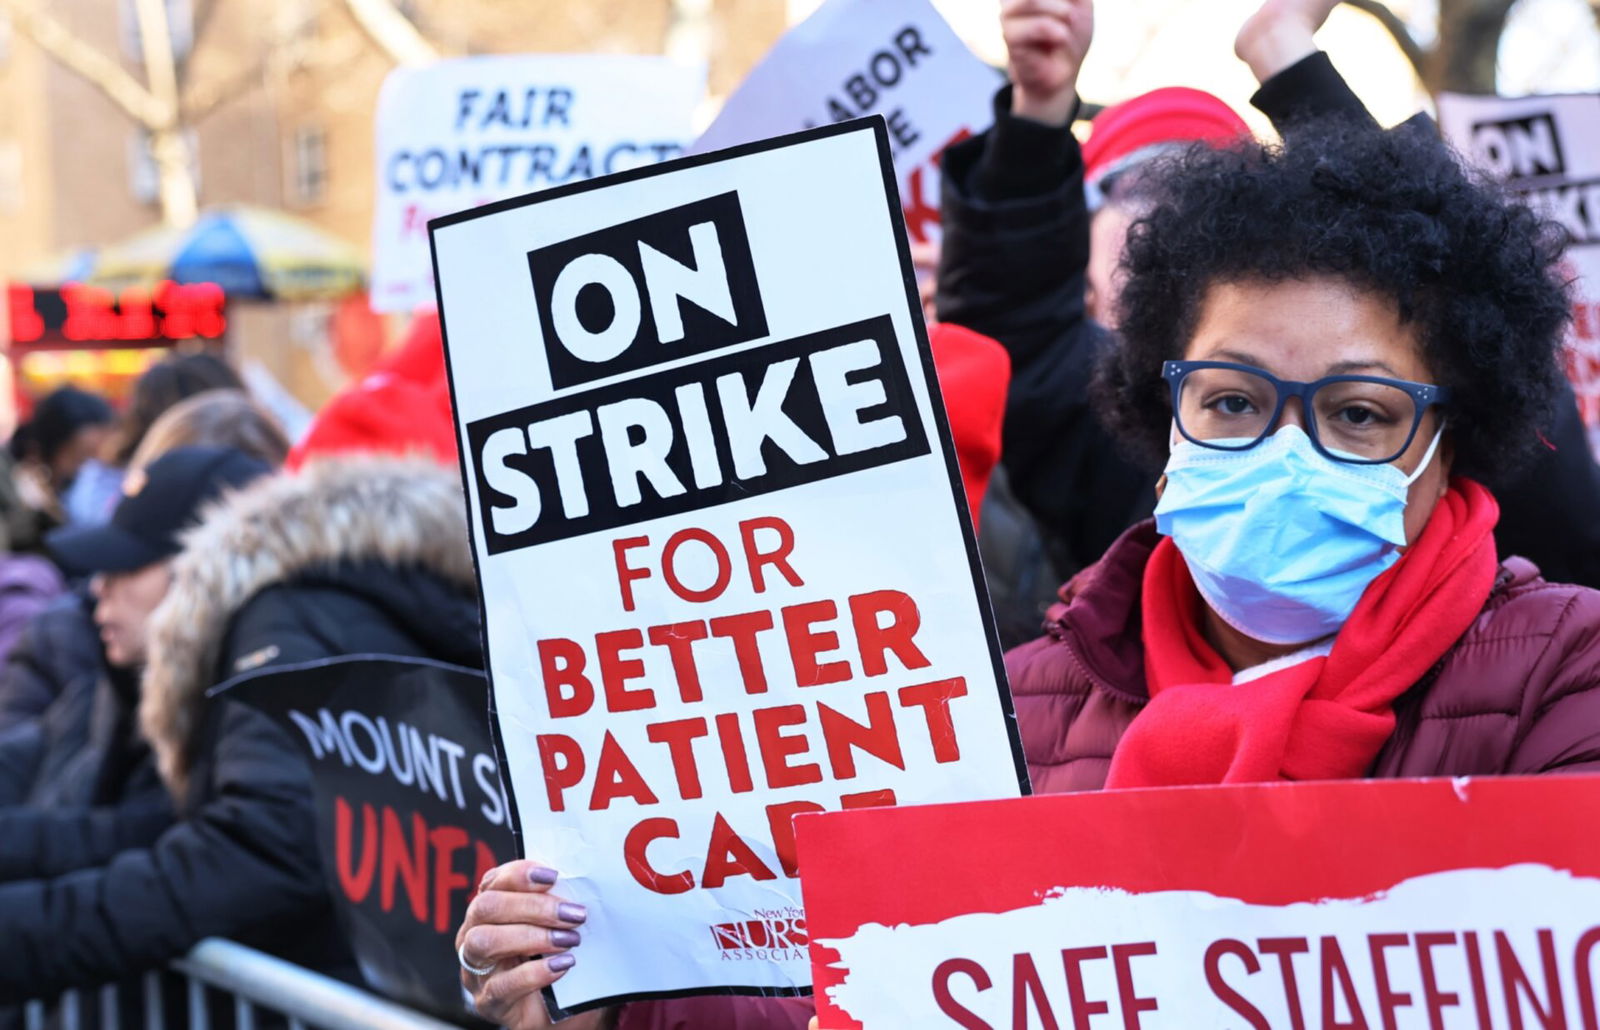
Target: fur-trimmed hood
point(402, 512)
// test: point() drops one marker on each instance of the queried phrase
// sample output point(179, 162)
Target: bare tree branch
point(203, 98)
point(1396, 27)
point(392, 31)
point(202, 19)
point(155, 46)
point(288, 48)
point(94, 67)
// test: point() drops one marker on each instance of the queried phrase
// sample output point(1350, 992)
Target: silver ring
point(461, 956)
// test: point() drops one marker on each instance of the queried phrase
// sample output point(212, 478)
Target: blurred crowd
point(1288, 415)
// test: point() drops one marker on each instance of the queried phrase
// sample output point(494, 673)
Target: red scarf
point(1325, 718)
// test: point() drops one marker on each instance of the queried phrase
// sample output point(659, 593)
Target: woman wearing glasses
point(1332, 348)
point(1329, 348)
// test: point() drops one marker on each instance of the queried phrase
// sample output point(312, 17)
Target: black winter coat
point(241, 861)
point(1016, 246)
point(82, 747)
point(58, 649)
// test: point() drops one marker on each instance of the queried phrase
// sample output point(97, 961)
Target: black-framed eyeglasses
point(1363, 420)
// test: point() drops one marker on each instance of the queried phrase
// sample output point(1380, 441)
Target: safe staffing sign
point(726, 565)
point(1368, 905)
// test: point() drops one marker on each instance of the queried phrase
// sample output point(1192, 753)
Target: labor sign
point(1547, 149)
point(462, 132)
point(1367, 905)
point(894, 58)
point(727, 569)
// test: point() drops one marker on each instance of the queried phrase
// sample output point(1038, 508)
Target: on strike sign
point(1547, 149)
point(895, 58)
point(1368, 905)
point(726, 565)
point(463, 132)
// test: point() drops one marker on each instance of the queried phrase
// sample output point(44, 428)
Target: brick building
point(292, 86)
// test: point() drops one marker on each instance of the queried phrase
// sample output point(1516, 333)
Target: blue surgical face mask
point(1282, 541)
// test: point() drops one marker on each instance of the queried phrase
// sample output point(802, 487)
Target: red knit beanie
point(1125, 134)
point(403, 407)
point(974, 375)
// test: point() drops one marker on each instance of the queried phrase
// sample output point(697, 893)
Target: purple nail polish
point(562, 962)
point(565, 938)
point(542, 876)
point(570, 913)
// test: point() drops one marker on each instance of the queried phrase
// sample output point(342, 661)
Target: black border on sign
point(880, 131)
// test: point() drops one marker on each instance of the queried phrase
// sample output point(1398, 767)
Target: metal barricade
point(255, 983)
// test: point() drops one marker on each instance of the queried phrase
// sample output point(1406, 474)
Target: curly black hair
point(1393, 212)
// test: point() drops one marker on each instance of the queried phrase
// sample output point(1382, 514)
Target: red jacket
point(1519, 693)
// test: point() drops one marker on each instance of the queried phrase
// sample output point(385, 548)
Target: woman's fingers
point(515, 895)
point(489, 945)
point(500, 994)
point(507, 908)
point(527, 874)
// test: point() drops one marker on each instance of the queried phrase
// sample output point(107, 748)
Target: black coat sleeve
point(21, 753)
point(1013, 265)
point(52, 648)
point(48, 842)
point(1309, 88)
point(243, 861)
point(1548, 515)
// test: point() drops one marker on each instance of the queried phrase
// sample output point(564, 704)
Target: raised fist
point(1279, 34)
point(1046, 41)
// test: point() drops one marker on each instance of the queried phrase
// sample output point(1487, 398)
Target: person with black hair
point(1330, 344)
point(68, 428)
point(172, 379)
point(1015, 254)
point(1319, 341)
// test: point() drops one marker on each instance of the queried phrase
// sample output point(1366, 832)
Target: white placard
point(1547, 148)
point(464, 132)
point(726, 562)
point(895, 58)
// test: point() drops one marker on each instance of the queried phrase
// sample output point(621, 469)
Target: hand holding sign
point(1047, 41)
point(706, 609)
point(513, 918)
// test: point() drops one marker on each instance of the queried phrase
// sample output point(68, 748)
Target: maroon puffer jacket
point(1518, 693)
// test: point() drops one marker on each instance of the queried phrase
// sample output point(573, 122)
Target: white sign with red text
point(895, 58)
point(1369, 905)
point(463, 132)
point(1547, 148)
point(726, 562)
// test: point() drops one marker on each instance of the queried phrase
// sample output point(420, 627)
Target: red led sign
point(137, 316)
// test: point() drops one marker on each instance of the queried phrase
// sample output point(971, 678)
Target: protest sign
point(410, 812)
point(895, 58)
point(1319, 906)
point(727, 568)
point(463, 132)
point(1547, 148)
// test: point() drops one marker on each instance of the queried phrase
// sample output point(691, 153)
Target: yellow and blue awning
point(248, 251)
